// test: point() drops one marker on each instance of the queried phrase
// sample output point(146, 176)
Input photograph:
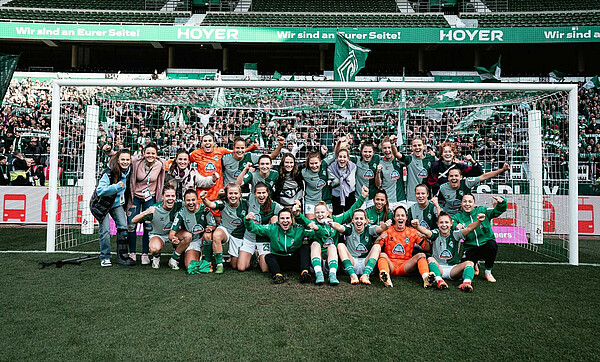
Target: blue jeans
point(118, 215)
point(139, 205)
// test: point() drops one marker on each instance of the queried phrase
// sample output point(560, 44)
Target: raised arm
point(474, 225)
point(252, 227)
point(206, 202)
point(489, 175)
point(140, 217)
point(395, 152)
point(383, 226)
point(240, 179)
point(277, 151)
point(378, 180)
point(346, 216)
point(421, 229)
point(499, 209)
point(435, 202)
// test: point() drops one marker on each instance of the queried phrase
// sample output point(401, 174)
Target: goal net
point(524, 126)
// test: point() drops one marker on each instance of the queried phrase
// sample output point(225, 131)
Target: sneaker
point(319, 278)
point(364, 279)
point(145, 259)
point(132, 256)
point(125, 260)
point(305, 276)
point(105, 262)
point(174, 264)
point(429, 281)
point(278, 278)
point(490, 278)
point(156, 262)
point(441, 284)
point(466, 287)
point(333, 280)
point(219, 269)
point(354, 279)
point(386, 279)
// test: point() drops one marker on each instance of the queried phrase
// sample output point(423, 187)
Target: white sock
point(466, 280)
point(332, 270)
point(424, 276)
point(437, 279)
point(318, 269)
point(488, 272)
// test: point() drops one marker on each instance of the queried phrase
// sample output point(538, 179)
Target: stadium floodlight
point(522, 111)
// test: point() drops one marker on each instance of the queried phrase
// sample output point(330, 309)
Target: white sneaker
point(145, 259)
point(156, 262)
point(105, 262)
point(132, 256)
point(174, 264)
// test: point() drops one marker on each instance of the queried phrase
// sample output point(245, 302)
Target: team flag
point(348, 61)
point(251, 70)
point(592, 83)
point(277, 75)
point(490, 75)
point(556, 75)
point(8, 64)
point(378, 94)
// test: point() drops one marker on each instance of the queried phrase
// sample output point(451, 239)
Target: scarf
point(347, 178)
point(185, 178)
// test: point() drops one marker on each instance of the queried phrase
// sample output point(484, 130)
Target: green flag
point(250, 70)
point(378, 94)
point(490, 75)
point(348, 61)
point(556, 75)
point(8, 64)
point(251, 131)
point(277, 75)
point(592, 83)
point(292, 78)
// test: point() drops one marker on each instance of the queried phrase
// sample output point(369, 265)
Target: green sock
point(316, 264)
point(175, 255)
point(348, 266)
point(218, 258)
point(370, 266)
point(468, 273)
point(207, 253)
point(333, 266)
point(434, 268)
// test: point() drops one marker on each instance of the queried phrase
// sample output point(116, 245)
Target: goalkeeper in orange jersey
point(397, 245)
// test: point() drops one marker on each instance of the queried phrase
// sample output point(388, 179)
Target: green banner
point(8, 64)
point(176, 33)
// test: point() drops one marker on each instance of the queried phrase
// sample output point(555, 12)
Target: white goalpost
point(80, 219)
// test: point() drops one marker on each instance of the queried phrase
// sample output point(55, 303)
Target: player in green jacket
point(288, 250)
point(481, 243)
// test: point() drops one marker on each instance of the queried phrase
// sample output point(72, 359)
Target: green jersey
point(445, 249)
point(359, 245)
point(416, 173)
point(161, 219)
point(193, 222)
point(317, 186)
point(233, 219)
point(484, 233)
point(232, 167)
point(260, 218)
point(283, 243)
point(375, 217)
point(255, 177)
point(365, 174)
point(427, 217)
point(392, 180)
point(450, 198)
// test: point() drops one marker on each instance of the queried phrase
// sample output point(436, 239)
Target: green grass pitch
point(540, 312)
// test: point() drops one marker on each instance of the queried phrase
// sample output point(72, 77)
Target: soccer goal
point(531, 127)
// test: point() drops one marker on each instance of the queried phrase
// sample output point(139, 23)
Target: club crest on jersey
point(197, 229)
point(456, 203)
point(210, 167)
point(422, 173)
point(237, 173)
point(216, 158)
point(398, 250)
point(361, 248)
point(395, 175)
point(446, 254)
point(168, 226)
point(407, 240)
point(257, 218)
point(369, 174)
point(424, 224)
point(328, 241)
point(320, 184)
point(236, 222)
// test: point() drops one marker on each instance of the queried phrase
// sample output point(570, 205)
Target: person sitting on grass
point(481, 243)
point(397, 244)
point(358, 253)
point(161, 216)
point(445, 249)
point(326, 238)
point(286, 241)
point(233, 210)
point(191, 226)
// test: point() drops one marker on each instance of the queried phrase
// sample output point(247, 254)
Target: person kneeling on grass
point(189, 226)
point(397, 244)
point(326, 237)
point(288, 250)
point(480, 244)
point(161, 216)
point(445, 245)
point(358, 254)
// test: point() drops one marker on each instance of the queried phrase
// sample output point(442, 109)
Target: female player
point(183, 176)
point(289, 186)
point(288, 250)
point(233, 210)
point(265, 212)
point(438, 173)
point(366, 167)
point(358, 254)
point(397, 257)
point(110, 198)
point(264, 174)
point(317, 182)
point(380, 211)
point(445, 250)
point(480, 244)
point(418, 165)
point(343, 195)
point(390, 174)
point(234, 162)
point(425, 210)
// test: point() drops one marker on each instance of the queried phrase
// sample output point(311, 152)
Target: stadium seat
point(87, 16)
point(330, 6)
point(494, 20)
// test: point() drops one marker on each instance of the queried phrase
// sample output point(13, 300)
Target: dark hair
point(312, 155)
point(188, 191)
point(444, 213)
point(286, 209)
point(151, 144)
point(386, 207)
point(174, 163)
point(115, 168)
point(269, 202)
point(263, 157)
point(167, 187)
point(395, 210)
point(239, 139)
point(367, 144)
